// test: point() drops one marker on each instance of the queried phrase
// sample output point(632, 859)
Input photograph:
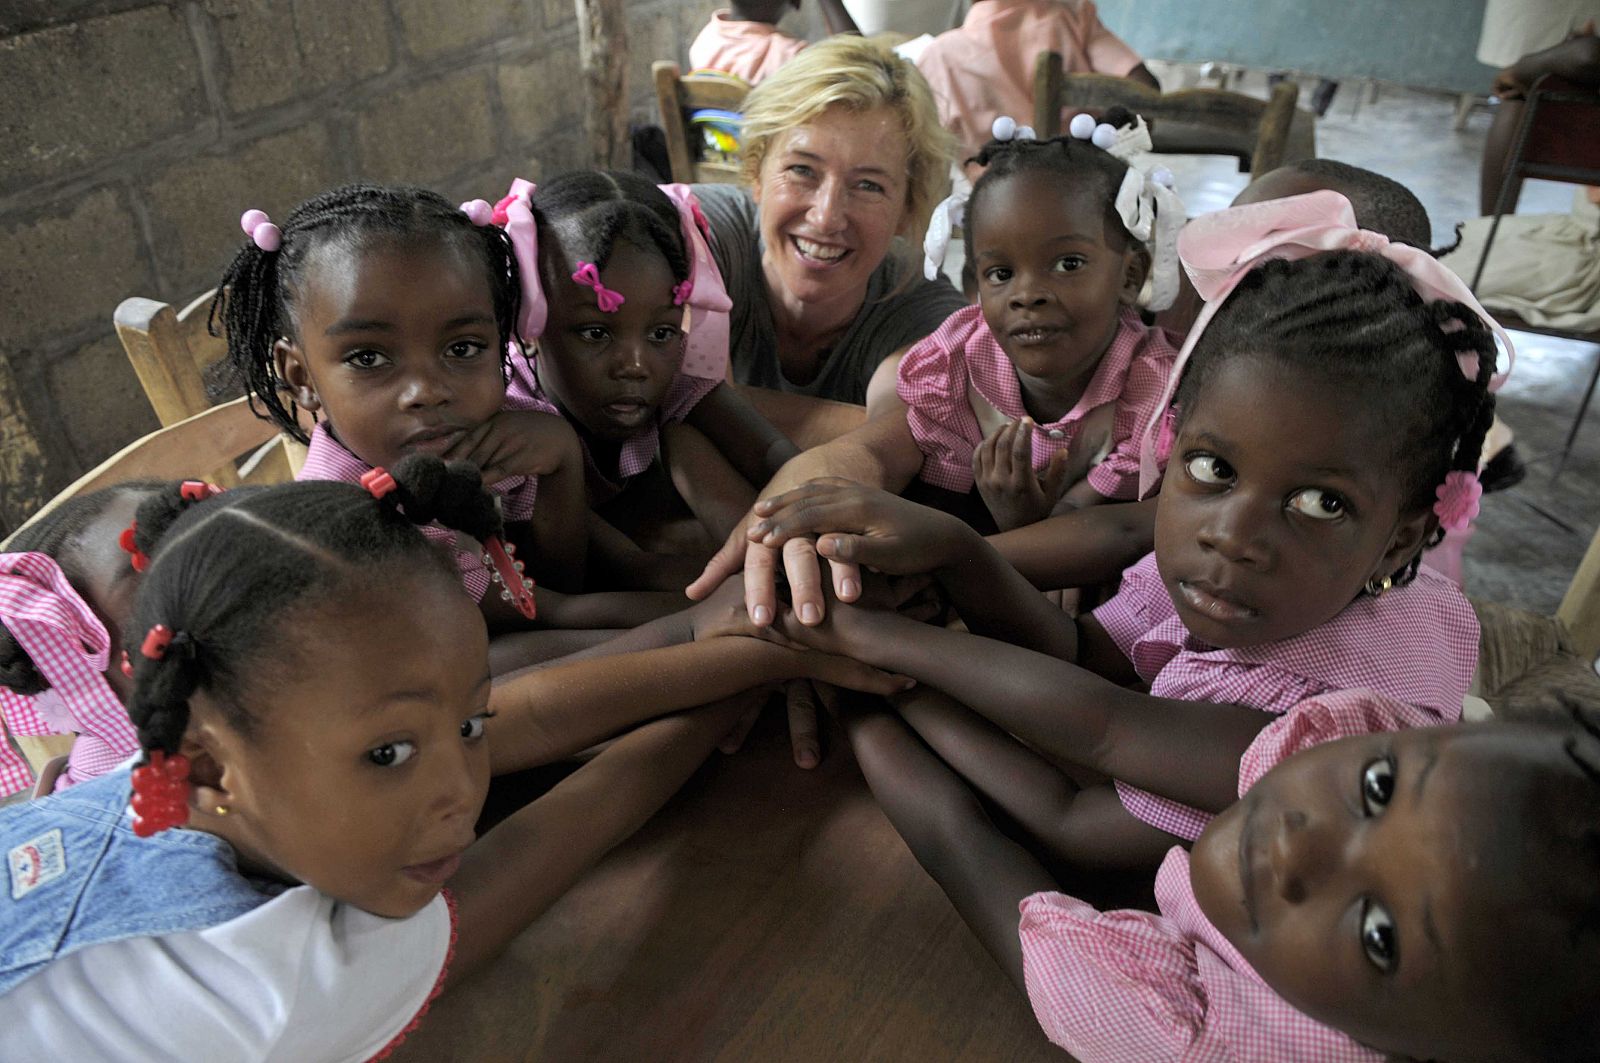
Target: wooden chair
point(170, 351)
point(678, 95)
point(212, 439)
point(1188, 122)
point(1558, 139)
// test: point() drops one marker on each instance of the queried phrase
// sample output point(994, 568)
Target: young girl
point(1353, 905)
point(391, 316)
point(1328, 426)
point(311, 687)
point(630, 316)
point(66, 590)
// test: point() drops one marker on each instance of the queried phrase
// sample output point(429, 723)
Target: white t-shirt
point(300, 978)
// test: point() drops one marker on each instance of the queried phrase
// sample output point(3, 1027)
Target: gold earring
point(222, 810)
point(1376, 587)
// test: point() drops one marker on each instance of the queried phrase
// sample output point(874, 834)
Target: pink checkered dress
point(70, 647)
point(1417, 644)
point(1132, 987)
point(686, 390)
point(329, 459)
point(936, 373)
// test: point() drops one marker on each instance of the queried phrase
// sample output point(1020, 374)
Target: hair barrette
point(1006, 128)
point(197, 490)
point(139, 559)
point(156, 642)
point(682, 291)
point(1458, 496)
point(500, 213)
point(378, 482)
point(504, 569)
point(160, 793)
point(260, 229)
point(588, 275)
point(478, 211)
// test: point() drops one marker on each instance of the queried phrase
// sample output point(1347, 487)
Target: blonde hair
point(858, 74)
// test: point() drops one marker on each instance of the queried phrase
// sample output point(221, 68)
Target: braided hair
point(592, 209)
point(222, 577)
point(1065, 157)
point(254, 304)
point(1355, 316)
point(60, 535)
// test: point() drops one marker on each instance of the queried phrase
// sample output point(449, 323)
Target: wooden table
point(767, 914)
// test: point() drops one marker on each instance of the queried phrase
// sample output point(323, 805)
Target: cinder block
point(99, 401)
point(542, 95)
point(431, 28)
point(195, 205)
point(25, 480)
point(278, 51)
point(67, 270)
point(427, 131)
point(82, 94)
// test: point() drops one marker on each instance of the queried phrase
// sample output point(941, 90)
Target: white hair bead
point(1163, 177)
point(1004, 128)
point(1104, 136)
point(1025, 132)
point(1081, 126)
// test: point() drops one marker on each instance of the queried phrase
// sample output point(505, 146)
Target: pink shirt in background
point(1132, 987)
point(1417, 644)
point(984, 68)
point(749, 50)
point(329, 459)
point(936, 373)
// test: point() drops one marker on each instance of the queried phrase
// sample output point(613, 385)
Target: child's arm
point(1184, 750)
point(530, 443)
point(619, 563)
point(748, 440)
point(1081, 548)
point(1002, 469)
point(521, 867)
point(984, 873)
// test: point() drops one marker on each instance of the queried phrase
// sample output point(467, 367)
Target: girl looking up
point(1350, 907)
point(629, 317)
point(66, 590)
point(311, 690)
point(391, 316)
point(1328, 428)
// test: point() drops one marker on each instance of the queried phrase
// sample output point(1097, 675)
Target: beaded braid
point(1355, 315)
point(59, 535)
point(1065, 156)
point(222, 577)
point(254, 304)
point(592, 209)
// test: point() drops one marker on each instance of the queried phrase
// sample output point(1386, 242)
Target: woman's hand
point(1002, 467)
point(519, 443)
point(862, 526)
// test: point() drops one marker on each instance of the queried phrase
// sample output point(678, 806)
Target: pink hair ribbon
point(706, 352)
point(71, 649)
point(588, 275)
point(1219, 249)
point(514, 213)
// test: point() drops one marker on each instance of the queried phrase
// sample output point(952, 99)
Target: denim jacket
point(78, 876)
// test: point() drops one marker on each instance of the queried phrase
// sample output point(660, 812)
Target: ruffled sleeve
point(1118, 475)
point(932, 382)
point(1113, 987)
point(1338, 714)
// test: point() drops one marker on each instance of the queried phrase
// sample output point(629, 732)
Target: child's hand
point(863, 525)
point(519, 443)
point(1002, 467)
point(724, 613)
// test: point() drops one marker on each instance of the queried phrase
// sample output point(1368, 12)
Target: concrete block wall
point(133, 134)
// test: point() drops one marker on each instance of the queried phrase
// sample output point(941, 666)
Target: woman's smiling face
point(833, 194)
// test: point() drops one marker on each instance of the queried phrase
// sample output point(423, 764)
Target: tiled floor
point(1531, 537)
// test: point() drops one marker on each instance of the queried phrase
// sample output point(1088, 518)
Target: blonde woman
point(842, 151)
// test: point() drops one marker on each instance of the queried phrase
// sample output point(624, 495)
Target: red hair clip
point(156, 642)
point(515, 587)
point(138, 557)
point(197, 490)
point(160, 793)
point(378, 482)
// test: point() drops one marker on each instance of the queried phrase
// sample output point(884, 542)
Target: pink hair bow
point(514, 213)
point(71, 649)
point(1219, 249)
point(705, 353)
point(588, 274)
